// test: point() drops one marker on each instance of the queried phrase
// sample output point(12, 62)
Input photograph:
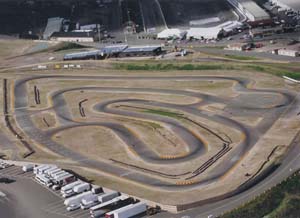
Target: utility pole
point(99, 32)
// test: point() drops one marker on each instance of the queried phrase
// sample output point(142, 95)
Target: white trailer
point(40, 168)
point(70, 186)
point(118, 202)
point(82, 187)
point(49, 169)
point(64, 180)
point(108, 196)
point(77, 199)
point(99, 206)
point(52, 173)
point(128, 211)
point(36, 168)
point(58, 176)
point(89, 202)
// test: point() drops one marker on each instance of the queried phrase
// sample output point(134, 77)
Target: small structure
point(264, 32)
point(171, 34)
point(237, 47)
point(73, 36)
point(289, 52)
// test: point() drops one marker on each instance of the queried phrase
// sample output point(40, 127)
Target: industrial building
point(288, 4)
point(141, 51)
point(251, 10)
point(116, 51)
point(74, 36)
point(214, 32)
point(171, 33)
point(54, 24)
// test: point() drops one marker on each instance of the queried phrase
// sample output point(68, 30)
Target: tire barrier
point(10, 127)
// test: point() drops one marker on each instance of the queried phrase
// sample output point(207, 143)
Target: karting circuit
point(180, 140)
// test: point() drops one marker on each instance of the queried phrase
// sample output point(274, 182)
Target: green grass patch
point(67, 46)
point(241, 58)
point(282, 201)
point(169, 67)
point(164, 113)
point(274, 69)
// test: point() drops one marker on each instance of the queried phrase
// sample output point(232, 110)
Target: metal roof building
point(250, 9)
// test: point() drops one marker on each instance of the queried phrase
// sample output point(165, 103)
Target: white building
point(73, 36)
point(213, 32)
point(204, 33)
point(54, 24)
point(250, 9)
point(171, 33)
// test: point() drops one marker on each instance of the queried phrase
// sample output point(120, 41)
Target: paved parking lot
point(25, 194)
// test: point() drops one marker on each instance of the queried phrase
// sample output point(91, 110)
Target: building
point(214, 32)
point(289, 52)
point(171, 34)
point(116, 51)
point(265, 32)
point(141, 51)
point(74, 36)
point(237, 47)
point(54, 24)
point(288, 4)
point(87, 55)
point(254, 13)
point(204, 33)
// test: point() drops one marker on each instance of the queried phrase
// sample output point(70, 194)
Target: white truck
point(108, 196)
point(82, 188)
point(76, 200)
point(63, 180)
point(70, 186)
point(28, 167)
point(127, 211)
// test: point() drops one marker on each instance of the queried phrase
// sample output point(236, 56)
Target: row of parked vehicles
point(79, 194)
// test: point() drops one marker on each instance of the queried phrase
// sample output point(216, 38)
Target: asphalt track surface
point(196, 146)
